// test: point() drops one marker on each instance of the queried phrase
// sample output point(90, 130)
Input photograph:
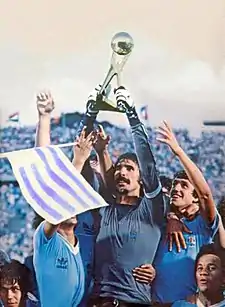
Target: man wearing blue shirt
point(130, 228)
point(192, 201)
point(58, 265)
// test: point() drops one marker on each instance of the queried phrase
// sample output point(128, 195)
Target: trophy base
point(104, 104)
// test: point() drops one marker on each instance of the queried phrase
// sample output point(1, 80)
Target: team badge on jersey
point(191, 240)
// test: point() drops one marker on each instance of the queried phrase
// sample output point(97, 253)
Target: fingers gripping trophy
point(122, 45)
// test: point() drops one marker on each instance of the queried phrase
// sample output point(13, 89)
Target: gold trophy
point(122, 45)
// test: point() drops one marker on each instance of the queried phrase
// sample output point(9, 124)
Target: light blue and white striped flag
point(51, 184)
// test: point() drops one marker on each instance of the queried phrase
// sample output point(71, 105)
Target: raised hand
point(91, 109)
point(124, 101)
point(102, 141)
point(91, 106)
point(167, 137)
point(83, 147)
point(45, 103)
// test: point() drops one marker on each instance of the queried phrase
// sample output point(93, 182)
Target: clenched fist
point(45, 103)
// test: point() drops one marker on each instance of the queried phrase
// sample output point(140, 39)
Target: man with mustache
point(191, 199)
point(130, 227)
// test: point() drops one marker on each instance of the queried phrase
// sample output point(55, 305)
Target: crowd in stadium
point(117, 287)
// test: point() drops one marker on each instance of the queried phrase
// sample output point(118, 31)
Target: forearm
point(78, 163)
point(106, 166)
point(50, 229)
point(88, 122)
point(194, 174)
point(43, 131)
point(145, 157)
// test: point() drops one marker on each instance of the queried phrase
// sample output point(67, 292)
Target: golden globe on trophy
point(122, 45)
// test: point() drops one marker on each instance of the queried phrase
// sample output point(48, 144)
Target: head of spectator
point(166, 183)
point(184, 199)
point(15, 284)
point(210, 274)
point(127, 175)
point(221, 209)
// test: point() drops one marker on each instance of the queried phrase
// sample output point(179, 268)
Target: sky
point(177, 66)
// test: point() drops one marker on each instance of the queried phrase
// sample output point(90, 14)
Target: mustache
point(119, 179)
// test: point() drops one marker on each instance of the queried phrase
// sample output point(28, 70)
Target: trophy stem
point(119, 79)
point(111, 73)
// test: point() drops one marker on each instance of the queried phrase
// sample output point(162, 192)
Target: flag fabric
point(14, 117)
point(144, 112)
point(51, 184)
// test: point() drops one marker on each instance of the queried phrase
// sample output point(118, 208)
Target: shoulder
point(40, 238)
point(201, 222)
point(156, 204)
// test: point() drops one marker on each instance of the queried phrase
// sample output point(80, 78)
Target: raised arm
point(88, 122)
point(83, 148)
point(45, 106)
point(91, 113)
point(149, 177)
point(106, 165)
point(207, 205)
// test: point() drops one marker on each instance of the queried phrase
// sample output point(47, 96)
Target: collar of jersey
point(73, 249)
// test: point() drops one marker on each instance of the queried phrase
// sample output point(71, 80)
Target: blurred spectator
point(4, 258)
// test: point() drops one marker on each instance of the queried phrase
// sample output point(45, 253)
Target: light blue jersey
point(59, 270)
point(187, 304)
point(183, 304)
point(175, 277)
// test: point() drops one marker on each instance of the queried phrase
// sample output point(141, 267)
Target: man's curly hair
point(16, 272)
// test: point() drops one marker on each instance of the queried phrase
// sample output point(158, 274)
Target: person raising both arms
point(192, 202)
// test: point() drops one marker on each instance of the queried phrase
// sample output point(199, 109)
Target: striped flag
point(51, 184)
point(14, 117)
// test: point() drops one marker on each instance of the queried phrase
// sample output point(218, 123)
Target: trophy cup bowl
point(122, 43)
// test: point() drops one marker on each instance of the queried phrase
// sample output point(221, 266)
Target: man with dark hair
point(130, 228)
point(210, 278)
point(15, 283)
point(191, 200)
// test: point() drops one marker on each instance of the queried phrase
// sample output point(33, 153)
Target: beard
point(121, 190)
